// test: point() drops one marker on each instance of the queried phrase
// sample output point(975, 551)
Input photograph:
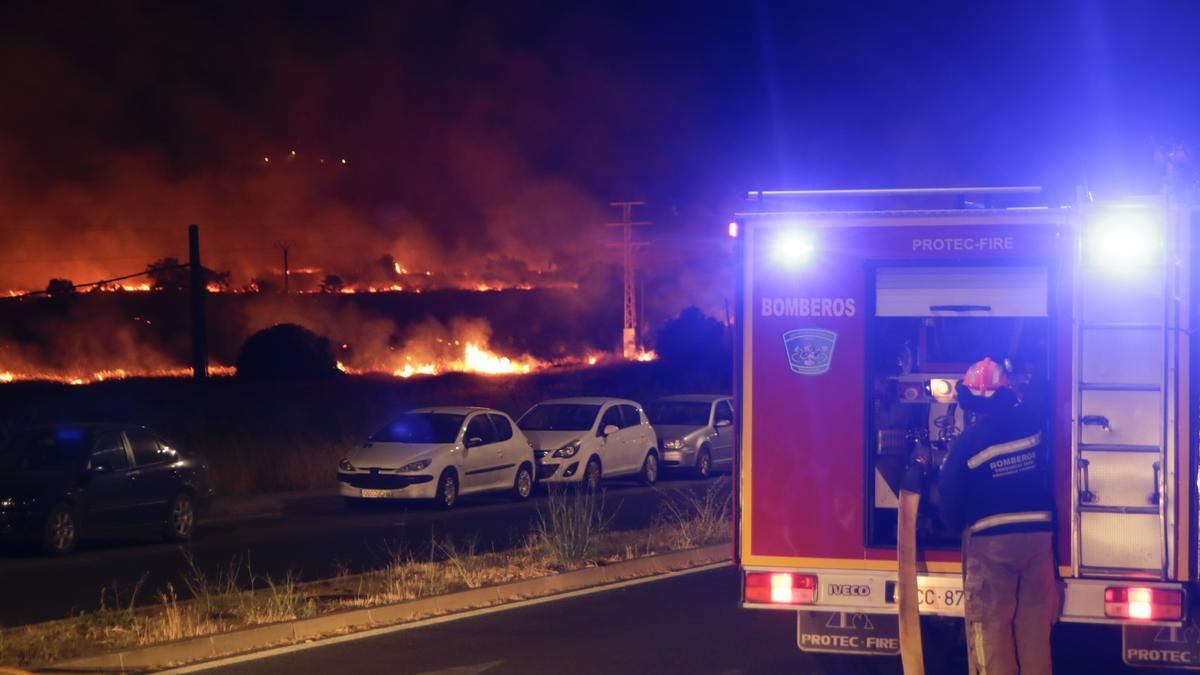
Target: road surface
point(688, 624)
point(315, 538)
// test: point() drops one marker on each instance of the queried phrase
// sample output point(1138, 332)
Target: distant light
point(266, 159)
point(733, 229)
point(293, 153)
point(343, 160)
point(793, 247)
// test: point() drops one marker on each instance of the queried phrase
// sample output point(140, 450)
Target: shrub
point(287, 351)
point(569, 524)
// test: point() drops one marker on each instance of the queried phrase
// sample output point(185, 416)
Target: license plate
point(939, 596)
point(377, 494)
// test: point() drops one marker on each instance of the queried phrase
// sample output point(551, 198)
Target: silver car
point(695, 432)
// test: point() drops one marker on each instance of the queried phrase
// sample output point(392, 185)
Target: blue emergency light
point(1122, 240)
point(793, 247)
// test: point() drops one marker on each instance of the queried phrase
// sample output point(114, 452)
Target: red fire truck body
point(854, 324)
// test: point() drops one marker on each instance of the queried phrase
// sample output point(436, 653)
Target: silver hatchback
point(695, 432)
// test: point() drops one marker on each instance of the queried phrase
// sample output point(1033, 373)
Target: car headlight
point(345, 465)
point(674, 444)
point(415, 466)
point(7, 503)
point(568, 451)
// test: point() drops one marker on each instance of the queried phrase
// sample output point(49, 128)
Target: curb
point(273, 635)
point(245, 507)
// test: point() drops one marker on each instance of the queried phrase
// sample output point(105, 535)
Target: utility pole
point(197, 290)
point(287, 273)
point(629, 334)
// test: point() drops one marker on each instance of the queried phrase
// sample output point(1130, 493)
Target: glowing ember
point(646, 355)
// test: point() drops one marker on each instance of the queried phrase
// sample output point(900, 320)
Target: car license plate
point(939, 596)
point(376, 494)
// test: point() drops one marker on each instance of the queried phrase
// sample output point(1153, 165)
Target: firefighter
point(995, 489)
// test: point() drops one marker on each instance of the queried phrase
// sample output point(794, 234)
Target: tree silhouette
point(60, 287)
point(287, 351)
point(332, 284)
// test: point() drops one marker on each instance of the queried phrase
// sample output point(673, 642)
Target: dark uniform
point(995, 489)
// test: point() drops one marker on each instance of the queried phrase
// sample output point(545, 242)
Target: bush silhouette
point(286, 351)
point(693, 340)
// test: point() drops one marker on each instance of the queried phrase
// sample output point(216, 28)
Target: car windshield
point(50, 449)
point(421, 428)
point(559, 417)
point(690, 413)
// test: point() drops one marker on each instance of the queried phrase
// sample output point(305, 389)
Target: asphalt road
point(685, 624)
point(688, 625)
point(314, 538)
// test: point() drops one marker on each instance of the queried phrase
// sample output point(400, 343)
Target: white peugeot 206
point(578, 440)
point(440, 454)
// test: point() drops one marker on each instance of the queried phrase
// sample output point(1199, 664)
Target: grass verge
point(571, 534)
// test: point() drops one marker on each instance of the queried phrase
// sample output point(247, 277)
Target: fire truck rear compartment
point(928, 325)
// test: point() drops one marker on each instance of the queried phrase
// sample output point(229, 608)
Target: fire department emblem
point(810, 350)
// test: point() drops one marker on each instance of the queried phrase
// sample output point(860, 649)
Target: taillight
point(781, 588)
point(1143, 604)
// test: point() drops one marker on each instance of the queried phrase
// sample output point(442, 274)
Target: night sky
point(498, 131)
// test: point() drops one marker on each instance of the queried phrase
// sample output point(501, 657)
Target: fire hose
point(912, 651)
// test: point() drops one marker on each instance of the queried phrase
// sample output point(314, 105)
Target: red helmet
point(985, 378)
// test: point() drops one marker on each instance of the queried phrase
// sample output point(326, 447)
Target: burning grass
point(236, 598)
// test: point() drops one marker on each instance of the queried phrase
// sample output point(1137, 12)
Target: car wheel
point(523, 485)
point(649, 474)
point(447, 490)
point(590, 482)
point(181, 519)
point(62, 530)
point(703, 467)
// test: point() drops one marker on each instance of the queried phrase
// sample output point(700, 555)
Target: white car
point(440, 454)
point(578, 440)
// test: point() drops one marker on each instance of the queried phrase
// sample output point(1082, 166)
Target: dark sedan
point(60, 483)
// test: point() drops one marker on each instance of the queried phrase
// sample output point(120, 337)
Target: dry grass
point(691, 520)
point(569, 523)
point(234, 597)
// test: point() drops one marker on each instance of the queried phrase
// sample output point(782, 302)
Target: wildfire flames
point(363, 346)
point(113, 374)
point(473, 358)
point(308, 280)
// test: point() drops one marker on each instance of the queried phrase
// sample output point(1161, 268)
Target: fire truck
point(859, 310)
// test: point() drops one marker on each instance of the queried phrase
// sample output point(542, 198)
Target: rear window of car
point(48, 449)
point(629, 416)
point(503, 427)
point(684, 413)
point(559, 417)
point(147, 449)
point(109, 452)
point(480, 427)
point(421, 428)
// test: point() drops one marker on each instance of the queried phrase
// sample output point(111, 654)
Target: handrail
point(893, 192)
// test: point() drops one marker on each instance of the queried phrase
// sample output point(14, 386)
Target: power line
point(74, 287)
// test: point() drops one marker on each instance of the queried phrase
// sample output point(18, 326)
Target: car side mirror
point(474, 442)
point(724, 423)
point(609, 429)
